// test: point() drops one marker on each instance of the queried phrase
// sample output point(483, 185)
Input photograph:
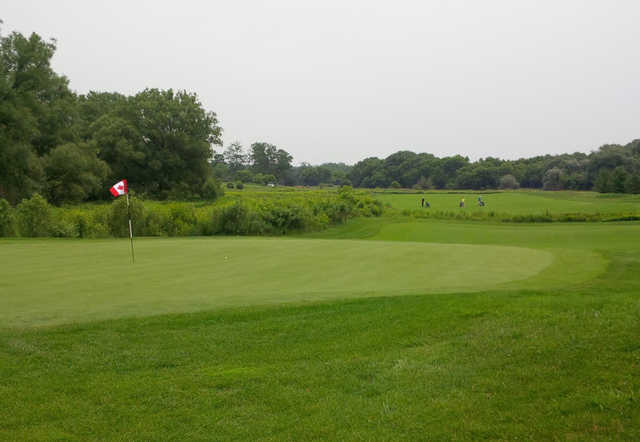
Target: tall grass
point(250, 213)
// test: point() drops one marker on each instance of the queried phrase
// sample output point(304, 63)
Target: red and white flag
point(119, 188)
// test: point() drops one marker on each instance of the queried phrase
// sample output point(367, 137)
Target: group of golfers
point(425, 203)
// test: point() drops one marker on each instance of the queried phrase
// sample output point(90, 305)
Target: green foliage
point(36, 112)
point(633, 183)
point(619, 180)
point(269, 160)
point(34, 217)
point(211, 190)
point(508, 182)
point(604, 183)
point(7, 227)
point(118, 220)
point(235, 157)
point(250, 213)
point(554, 179)
point(181, 220)
point(239, 185)
point(235, 219)
point(74, 173)
point(245, 176)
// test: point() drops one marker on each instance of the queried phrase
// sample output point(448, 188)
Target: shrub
point(34, 216)
point(119, 217)
point(239, 185)
point(232, 220)
point(211, 189)
point(7, 227)
point(181, 220)
point(229, 185)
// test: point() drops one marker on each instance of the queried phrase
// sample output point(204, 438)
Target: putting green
point(57, 281)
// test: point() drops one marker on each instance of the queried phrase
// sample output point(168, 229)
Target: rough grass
point(555, 361)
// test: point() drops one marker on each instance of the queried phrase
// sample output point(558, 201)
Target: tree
point(619, 180)
point(235, 158)
point(73, 173)
point(37, 112)
point(633, 183)
point(121, 146)
point(245, 176)
point(269, 160)
point(603, 182)
point(554, 179)
point(508, 182)
point(166, 138)
point(6, 219)
point(365, 169)
point(21, 172)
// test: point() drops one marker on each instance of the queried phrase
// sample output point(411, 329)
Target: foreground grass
point(547, 358)
point(491, 365)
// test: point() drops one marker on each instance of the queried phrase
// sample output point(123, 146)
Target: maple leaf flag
point(119, 188)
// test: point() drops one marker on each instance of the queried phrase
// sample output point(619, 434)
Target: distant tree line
point(611, 168)
point(71, 148)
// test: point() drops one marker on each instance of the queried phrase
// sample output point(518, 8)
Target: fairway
point(59, 281)
point(524, 331)
point(521, 202)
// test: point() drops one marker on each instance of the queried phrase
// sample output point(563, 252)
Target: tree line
point(71, 147)
point(609, 169)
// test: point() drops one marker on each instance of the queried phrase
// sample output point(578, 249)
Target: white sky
point(340, 80)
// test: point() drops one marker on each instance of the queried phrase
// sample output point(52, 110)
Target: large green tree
point(267, 159)
point(160, 140)
point(74, 173)
point(37, 112)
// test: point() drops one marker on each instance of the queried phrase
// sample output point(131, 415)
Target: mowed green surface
point(545, 358)
point(57, 281)
point(520, 202)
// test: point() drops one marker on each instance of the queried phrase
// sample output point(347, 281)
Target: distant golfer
point(480, 202)
point(462, 202)
point(422, 202)
point(426, 203)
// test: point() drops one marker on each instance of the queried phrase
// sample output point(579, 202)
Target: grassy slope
point(527, 202)
point(557, 362)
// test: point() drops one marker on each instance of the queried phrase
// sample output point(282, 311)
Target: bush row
point(34, 217)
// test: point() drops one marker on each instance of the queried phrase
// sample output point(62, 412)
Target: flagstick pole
point(133, 256)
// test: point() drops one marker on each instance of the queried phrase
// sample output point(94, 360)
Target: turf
point(551, 356)
point(60, 281)
point(521, 202)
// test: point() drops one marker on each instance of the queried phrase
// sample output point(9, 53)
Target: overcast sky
point(346, 79)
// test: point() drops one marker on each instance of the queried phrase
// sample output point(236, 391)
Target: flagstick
point(133, 256)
